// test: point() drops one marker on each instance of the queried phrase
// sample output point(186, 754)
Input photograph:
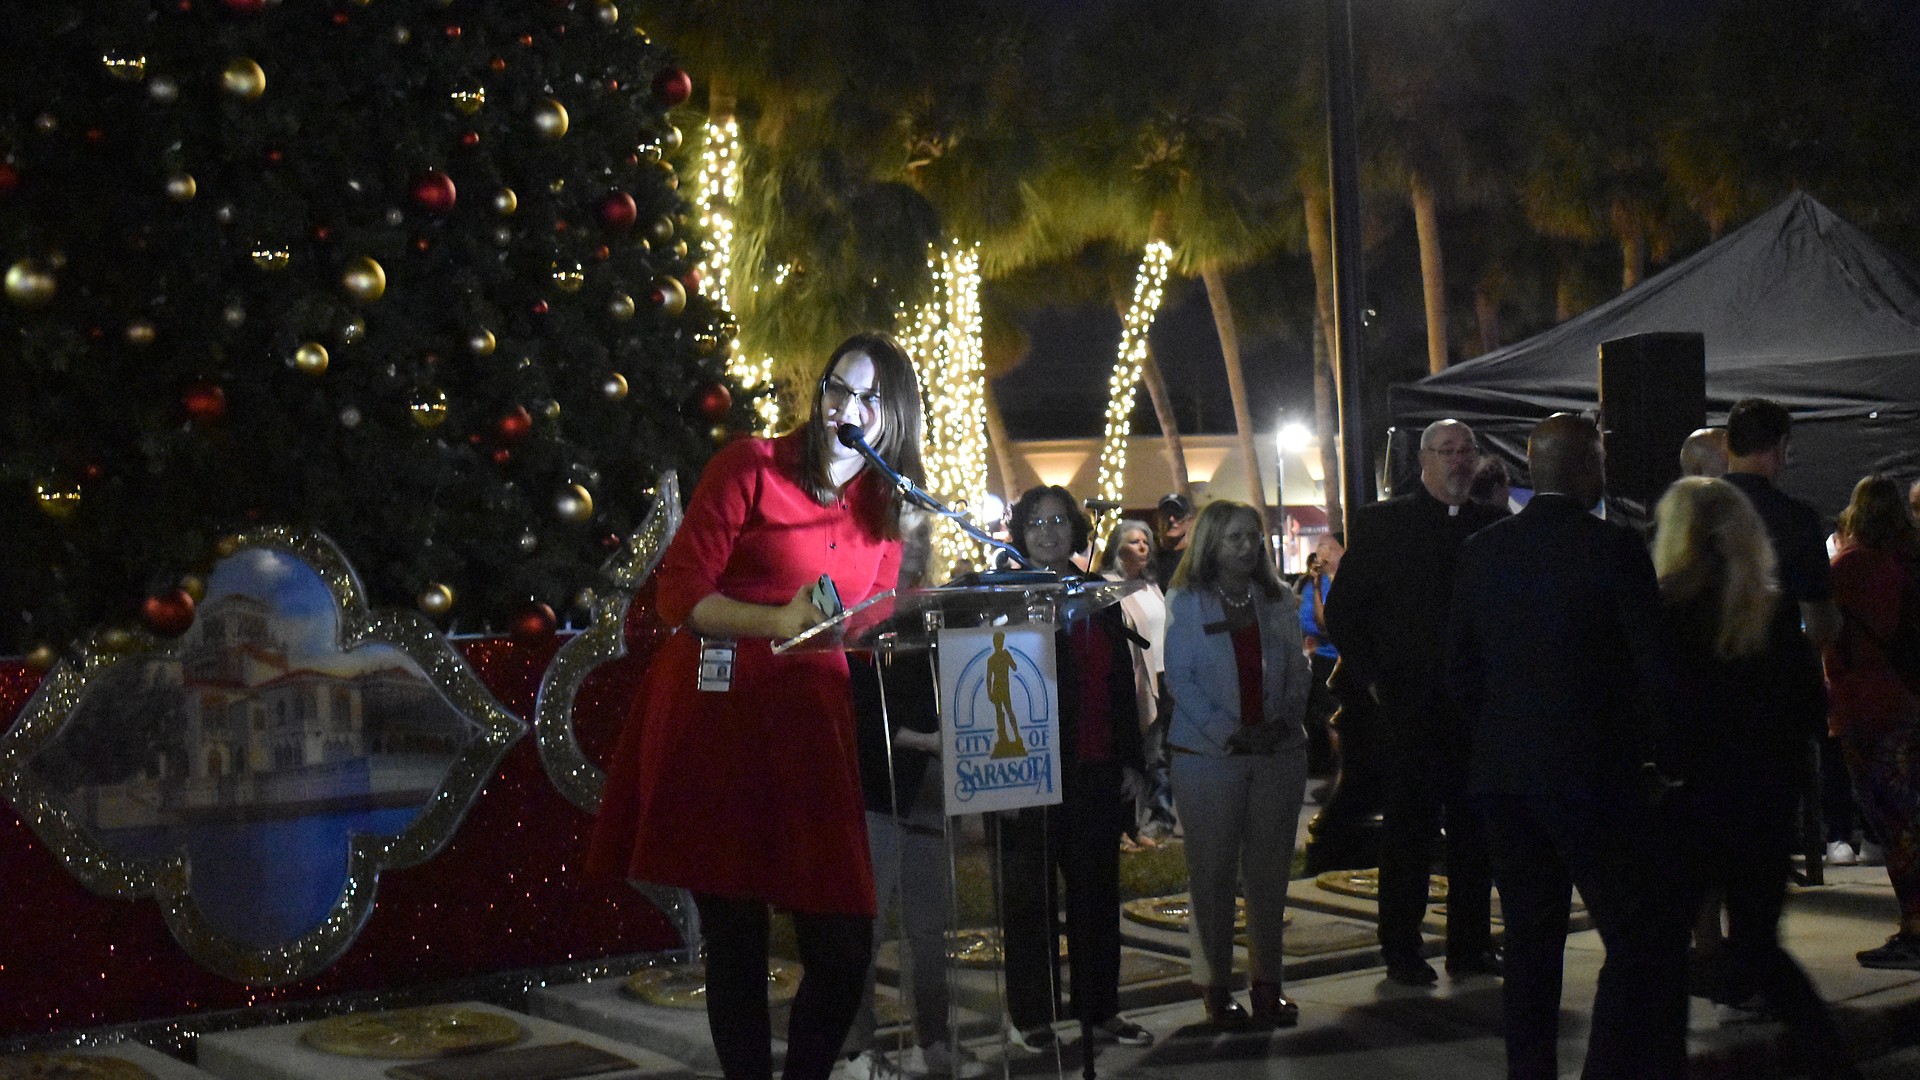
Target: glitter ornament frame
point(167, 878)
point(602, 642)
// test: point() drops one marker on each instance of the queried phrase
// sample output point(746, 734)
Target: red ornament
point(525, 39)
point(453, 32)
point(339, 18)
point(469, 139)
point(673, 86)
point(274, 157)
point(602, 253)
point(247, 7)
point(618, 210)
point(502, 455)
point(715, 402)
point(421, 244)
point(539, 307)
point(322, 233)
point(514, 426)
point(93, 472)
point(9, 179)
point(473, 438)
point(691, 281)
point(168, 614)
point(497, 65)
point(611, 541)
point(434, 192)
point(532, 624)
point(204, 401)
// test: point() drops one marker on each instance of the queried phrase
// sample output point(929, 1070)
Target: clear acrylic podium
point(901, 632)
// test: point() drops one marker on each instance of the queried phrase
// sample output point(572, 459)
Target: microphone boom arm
point(850, 435)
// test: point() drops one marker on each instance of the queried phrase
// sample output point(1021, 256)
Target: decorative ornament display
point(614, 387)
point(435, 600)
point(169, 614)
point(30, 284)
point(715, 402)
point(469, 100)
point(568, 278)
point(673, 87)
point(182, 187)
point(505, 202)
point(669, 295)
point(428, 407)
point(618, 211)
point(204, 401)
point(310, 359)
point(244, 79)
point(433, 191)
point(59, 499)
point(620, 307)
point(514, 426)
point(533, 624)
point(364, 279)
point(481, 343)
point(661, 230)
point(550, 119)
point(428, 1031)
point(573, 505)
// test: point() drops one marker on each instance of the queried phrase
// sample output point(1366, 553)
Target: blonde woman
point(1129, 557)
point(1239, 683)
point(1738, 740)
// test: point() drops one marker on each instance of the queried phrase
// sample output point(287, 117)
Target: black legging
point(834, 950)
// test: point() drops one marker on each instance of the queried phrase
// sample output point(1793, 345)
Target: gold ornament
point(568, 279)
point(125, 68)
point(181, 187)
point(226, 546)
point(195, 586)
point(42, 657)
point(469, 99)
point(608, 14)
point(429, 407)
point(550, 119)
point(615, 387)
point(58, 499)
point(482, 342)
point(30, 284)
point(574, 505)
point(271, 258)
point(310, 358)
point(550, 410)
point(364, 280)
point(505, 202)
point(244, 79)
point(116, 639)
point(621, 307)
point(140, 332)
point(436, 599)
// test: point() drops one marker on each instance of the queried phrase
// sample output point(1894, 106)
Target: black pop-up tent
point(1797, 305)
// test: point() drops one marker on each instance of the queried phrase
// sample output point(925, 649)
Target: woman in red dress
point(748, 794)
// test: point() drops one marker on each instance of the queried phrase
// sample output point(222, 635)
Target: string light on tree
point(1148, 285)
point(719, 189)
point(944, 336)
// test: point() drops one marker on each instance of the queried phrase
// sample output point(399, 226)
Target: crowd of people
point(1562, 703)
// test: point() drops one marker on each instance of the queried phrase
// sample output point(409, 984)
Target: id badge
point(716, 665)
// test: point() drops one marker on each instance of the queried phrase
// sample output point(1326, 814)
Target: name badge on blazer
point(716, 665)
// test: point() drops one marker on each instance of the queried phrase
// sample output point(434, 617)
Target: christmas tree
point(410, 273)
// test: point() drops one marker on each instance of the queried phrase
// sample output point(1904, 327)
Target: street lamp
point(1292, 438)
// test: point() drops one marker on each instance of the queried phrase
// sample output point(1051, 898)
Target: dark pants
point(1080, 840)
point(1542, 849)
point(1426, 788)
point(1741, 842)
point(834, 950)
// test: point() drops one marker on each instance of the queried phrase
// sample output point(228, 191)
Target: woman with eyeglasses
point(1239, 679)
point(1080, 838)
point(737, 776)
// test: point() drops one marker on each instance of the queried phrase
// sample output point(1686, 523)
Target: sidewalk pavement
point(1356, 1024)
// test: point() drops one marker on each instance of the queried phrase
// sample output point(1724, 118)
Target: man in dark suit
point(1387, 614)
point(1556, 665)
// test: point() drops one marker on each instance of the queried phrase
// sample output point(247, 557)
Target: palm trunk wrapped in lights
point(719, 189)
point(1148, 285)
point(944, 336)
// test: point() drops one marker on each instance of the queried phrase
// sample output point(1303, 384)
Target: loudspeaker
point(1653, 394)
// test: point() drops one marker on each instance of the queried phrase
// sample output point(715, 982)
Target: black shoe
point(1482, 962)
point(1122, 1031)
point(1409, 970)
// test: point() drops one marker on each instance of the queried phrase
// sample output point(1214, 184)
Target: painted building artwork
point(258, 747)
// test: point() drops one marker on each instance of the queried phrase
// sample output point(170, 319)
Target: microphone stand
point(852, 437)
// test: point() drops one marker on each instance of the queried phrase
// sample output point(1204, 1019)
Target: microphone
point(853, 437)
point(1100, 506)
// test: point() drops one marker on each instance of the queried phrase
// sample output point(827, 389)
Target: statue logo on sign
point(1000, 727)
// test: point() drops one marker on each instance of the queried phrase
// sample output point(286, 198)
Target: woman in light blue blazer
point(1239, 681)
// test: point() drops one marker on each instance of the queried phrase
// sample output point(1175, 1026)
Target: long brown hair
point(899, 442)
point(1876, 516)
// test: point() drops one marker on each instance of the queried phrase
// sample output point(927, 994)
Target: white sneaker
point(1840, 853)
point(939, 1059)
point(869, 1065)
point(1872, 854)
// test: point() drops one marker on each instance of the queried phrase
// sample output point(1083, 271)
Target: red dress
point(753, 792)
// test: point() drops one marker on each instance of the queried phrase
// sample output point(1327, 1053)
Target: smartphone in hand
point(826, 597)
